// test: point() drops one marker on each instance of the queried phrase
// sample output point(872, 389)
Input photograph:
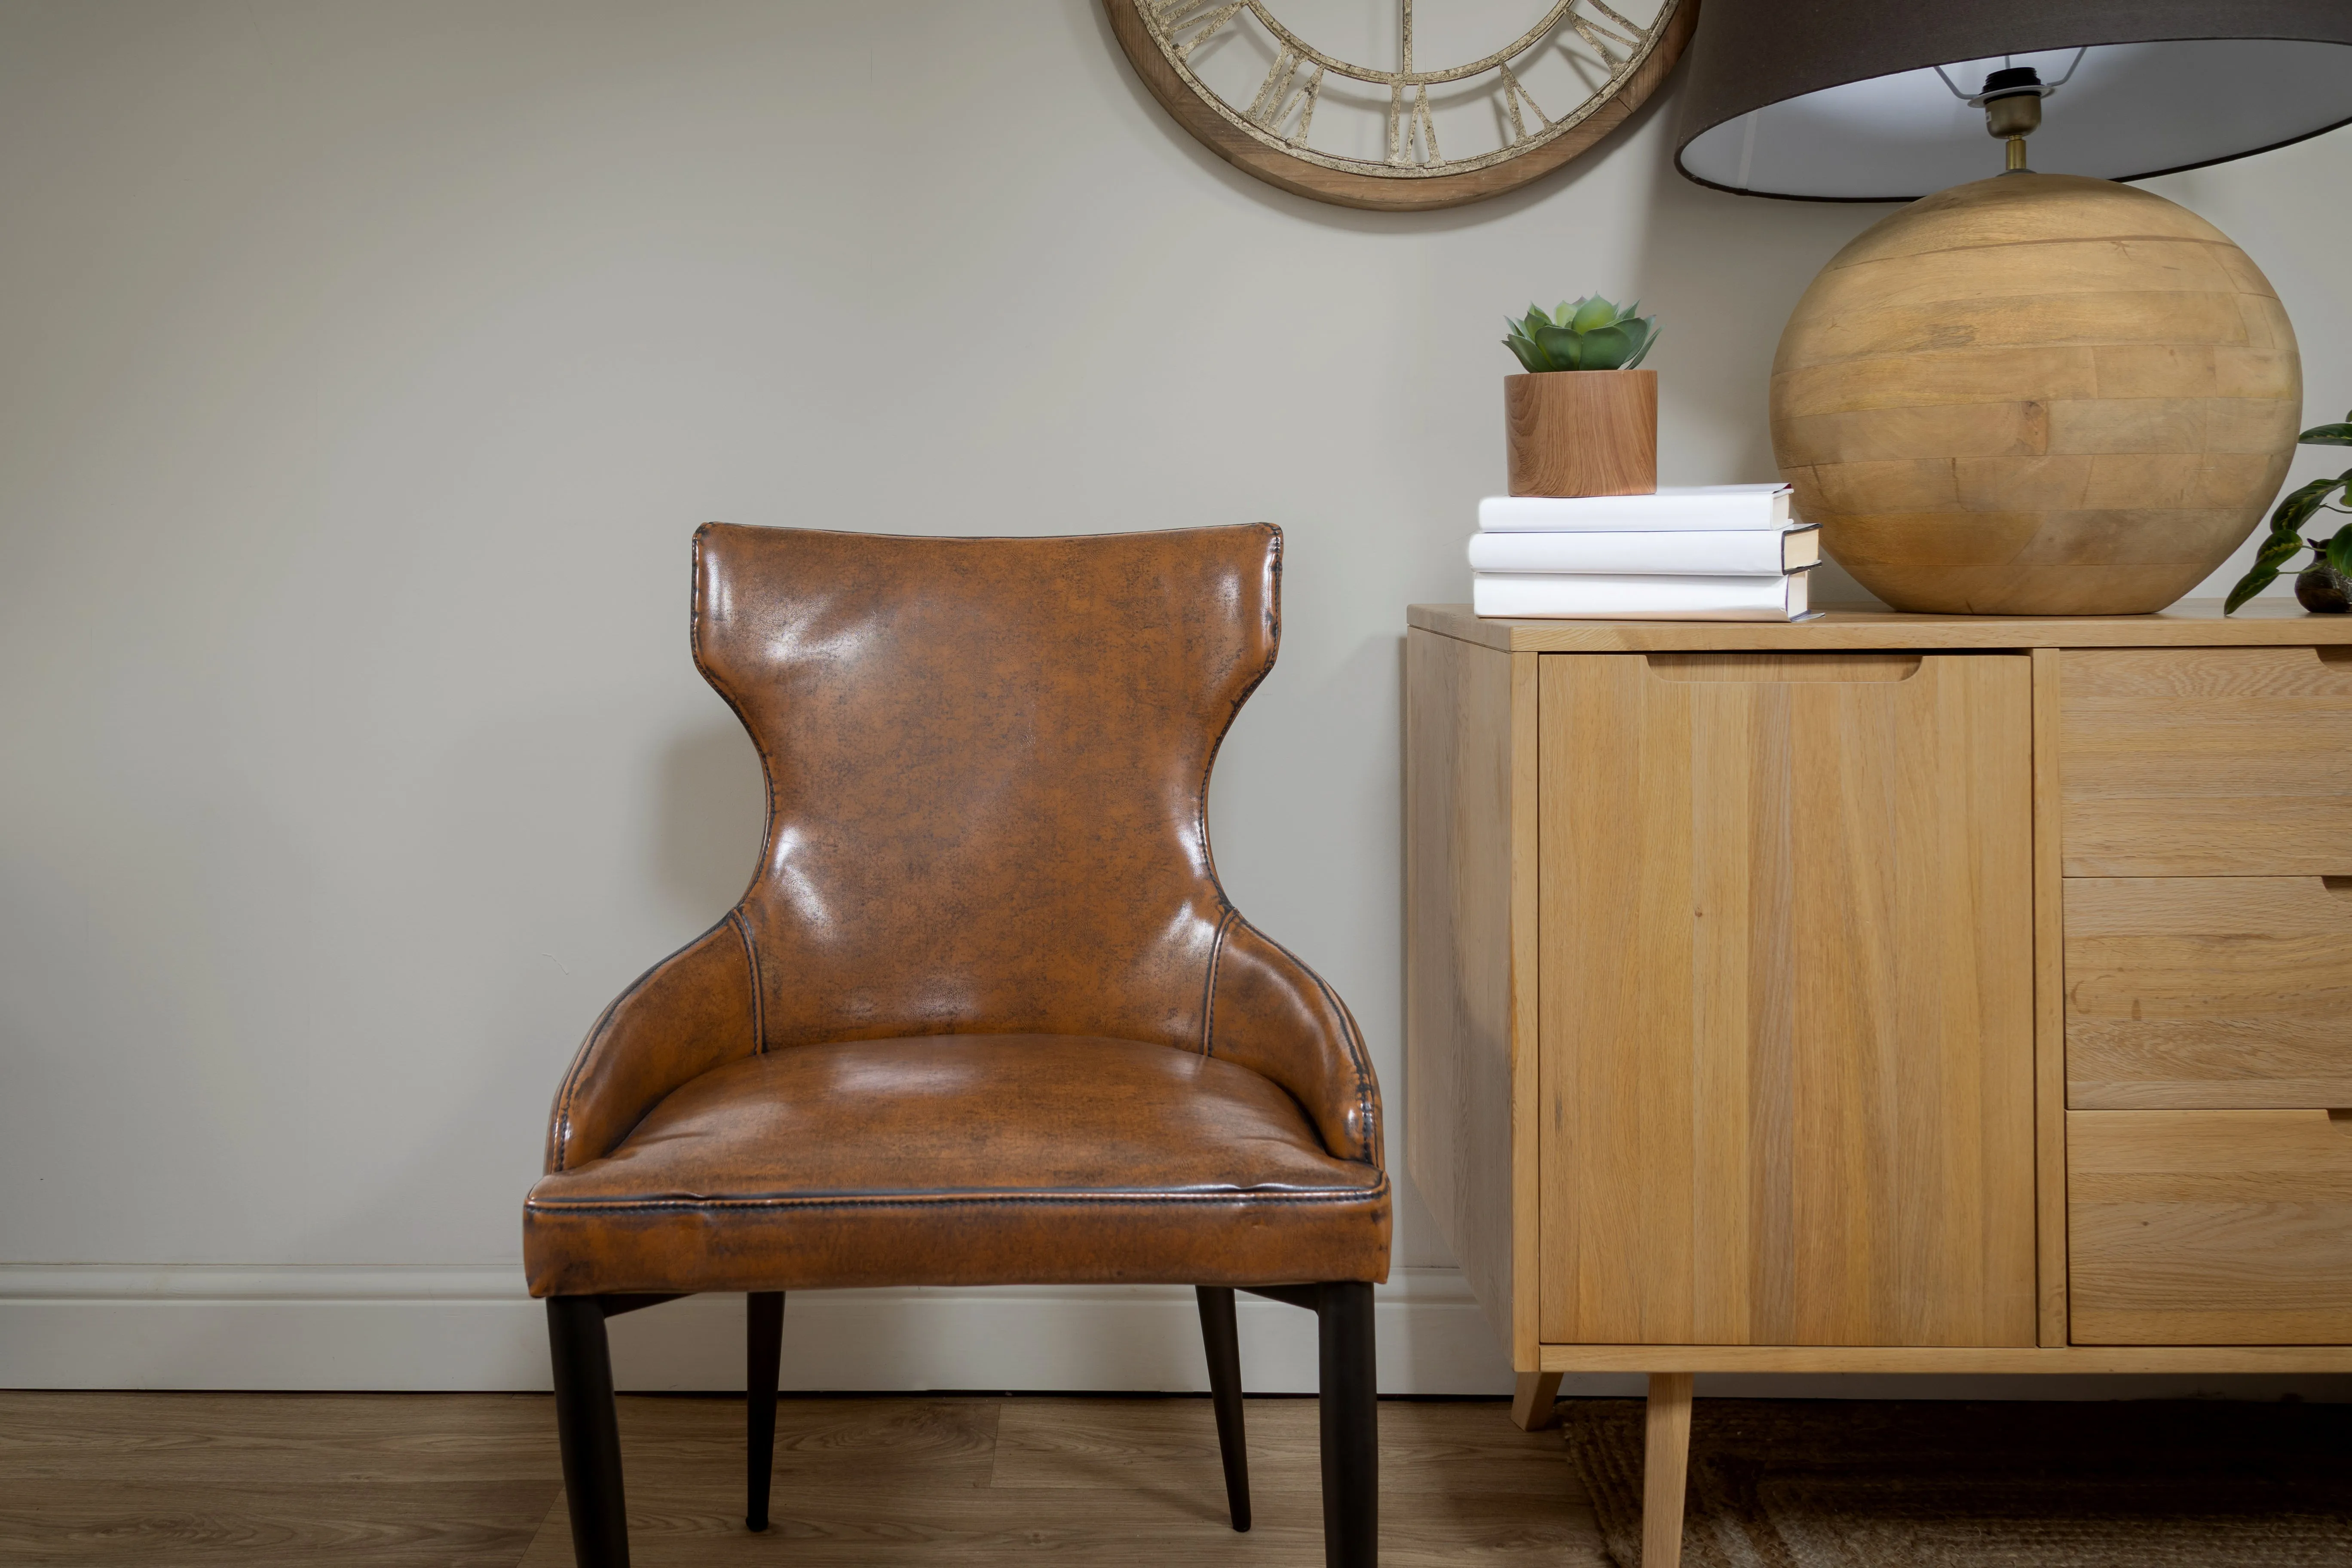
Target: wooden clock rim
point(1375, 193)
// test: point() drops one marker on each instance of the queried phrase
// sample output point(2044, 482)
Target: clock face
point(1373, 104)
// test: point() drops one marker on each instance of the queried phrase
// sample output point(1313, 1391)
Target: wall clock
point(1481, 96)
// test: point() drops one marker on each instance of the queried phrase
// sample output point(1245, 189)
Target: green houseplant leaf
point(2299, 504)
point(2294, 508)
point(2277, 550)
point(2251, 584)
point(2328, 435)
point(2286, 538)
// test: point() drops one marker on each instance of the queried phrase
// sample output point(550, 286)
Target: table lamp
point(2039, 391)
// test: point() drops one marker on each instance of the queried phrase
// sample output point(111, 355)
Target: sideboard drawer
point(2214, 1227)
point(2208, 992)
point(2207, 761)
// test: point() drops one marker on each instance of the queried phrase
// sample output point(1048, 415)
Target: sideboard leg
point(1531, 1401)
point(1668, 1461)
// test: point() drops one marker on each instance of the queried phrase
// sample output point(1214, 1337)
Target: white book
point(1709, 552)
point(1532, 596)
point(1680, 507)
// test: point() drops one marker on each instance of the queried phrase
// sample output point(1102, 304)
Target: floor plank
point(318, 1438)
point(385, 1524)
point(472, 1481)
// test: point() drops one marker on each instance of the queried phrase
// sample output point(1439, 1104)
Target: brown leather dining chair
point(986, 1015)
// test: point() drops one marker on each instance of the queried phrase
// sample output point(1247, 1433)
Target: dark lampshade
point(1840, 101)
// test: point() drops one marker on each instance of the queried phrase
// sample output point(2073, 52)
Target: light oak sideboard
point(1884, 993)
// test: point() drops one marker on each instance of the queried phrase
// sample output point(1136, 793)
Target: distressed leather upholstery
point(984, 1015)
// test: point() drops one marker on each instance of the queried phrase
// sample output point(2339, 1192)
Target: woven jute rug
point(1803, 1483)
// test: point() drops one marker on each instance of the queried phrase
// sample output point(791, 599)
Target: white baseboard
point(94, 1326)
point(418, 1329)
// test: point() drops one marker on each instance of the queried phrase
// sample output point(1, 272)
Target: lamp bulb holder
point(2011, 101)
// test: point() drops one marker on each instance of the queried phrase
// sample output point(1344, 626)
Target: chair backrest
point(988, 766)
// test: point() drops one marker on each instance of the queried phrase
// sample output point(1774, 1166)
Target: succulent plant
point(1589, 333)
point(2297, 508)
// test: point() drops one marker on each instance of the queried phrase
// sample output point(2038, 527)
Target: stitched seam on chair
point(560, 1135)
point(1357, 1059)
point(1209, 999)
point(561, 1130)
point(759, 998)
point(758, 747)
point(1232, 712)
point(670, 1205)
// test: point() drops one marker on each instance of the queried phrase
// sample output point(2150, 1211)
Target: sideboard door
point(1786, 1002)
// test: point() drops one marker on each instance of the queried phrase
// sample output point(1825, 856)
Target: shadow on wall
point(1733, 267)
point(710, 808)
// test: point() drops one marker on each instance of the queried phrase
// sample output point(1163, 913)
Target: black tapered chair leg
point(1350, 1413)
point(763, 1346)
point(589, 1431)
point(1222, 1339)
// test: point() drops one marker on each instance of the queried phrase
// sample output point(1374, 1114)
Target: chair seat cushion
point(962, 1160)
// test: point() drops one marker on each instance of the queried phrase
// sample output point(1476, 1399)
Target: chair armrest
point(693, 1011)
point(1272, 1015)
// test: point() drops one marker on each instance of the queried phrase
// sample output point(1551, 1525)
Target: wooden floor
point(471, 1481)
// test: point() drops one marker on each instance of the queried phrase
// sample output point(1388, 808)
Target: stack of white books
point(1703, 553)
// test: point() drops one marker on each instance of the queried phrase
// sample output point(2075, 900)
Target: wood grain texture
point(2037, 394)
point(1464, 775)
point(1950, 1358)
point(1526, 1053)
point(1665, 1454)
point(2049, 1010)
point(1784, 666)
point(2195, 623)
point(295, 1440)
point(1787, 1007)
point(472, 1480)
point(1391, 192)
point(1581, 433)
point(1535, 1399)
point(2223, 762)
point(2208, 992)
point(2210, 1227)
point(401, 1524)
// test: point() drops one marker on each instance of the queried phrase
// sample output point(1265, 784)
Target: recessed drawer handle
point(1772, 668)
point(2340, 886)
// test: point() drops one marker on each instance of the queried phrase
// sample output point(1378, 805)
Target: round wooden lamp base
point(2036, 394)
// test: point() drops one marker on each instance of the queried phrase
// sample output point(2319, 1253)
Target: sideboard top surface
point(2192, 623)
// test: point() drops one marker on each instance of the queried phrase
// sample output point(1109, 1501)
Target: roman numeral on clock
point(1285, 99)
point(1189, 24)
point(1519, 103)
point(1614, 28)
point(1413, 138)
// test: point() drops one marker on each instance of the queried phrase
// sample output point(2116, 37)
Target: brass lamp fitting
point(2013, 107)
point(2019, 116)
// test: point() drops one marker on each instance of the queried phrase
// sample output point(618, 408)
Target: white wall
point(363, 370)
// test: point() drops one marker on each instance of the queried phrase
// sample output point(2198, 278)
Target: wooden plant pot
point(1582, 432)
